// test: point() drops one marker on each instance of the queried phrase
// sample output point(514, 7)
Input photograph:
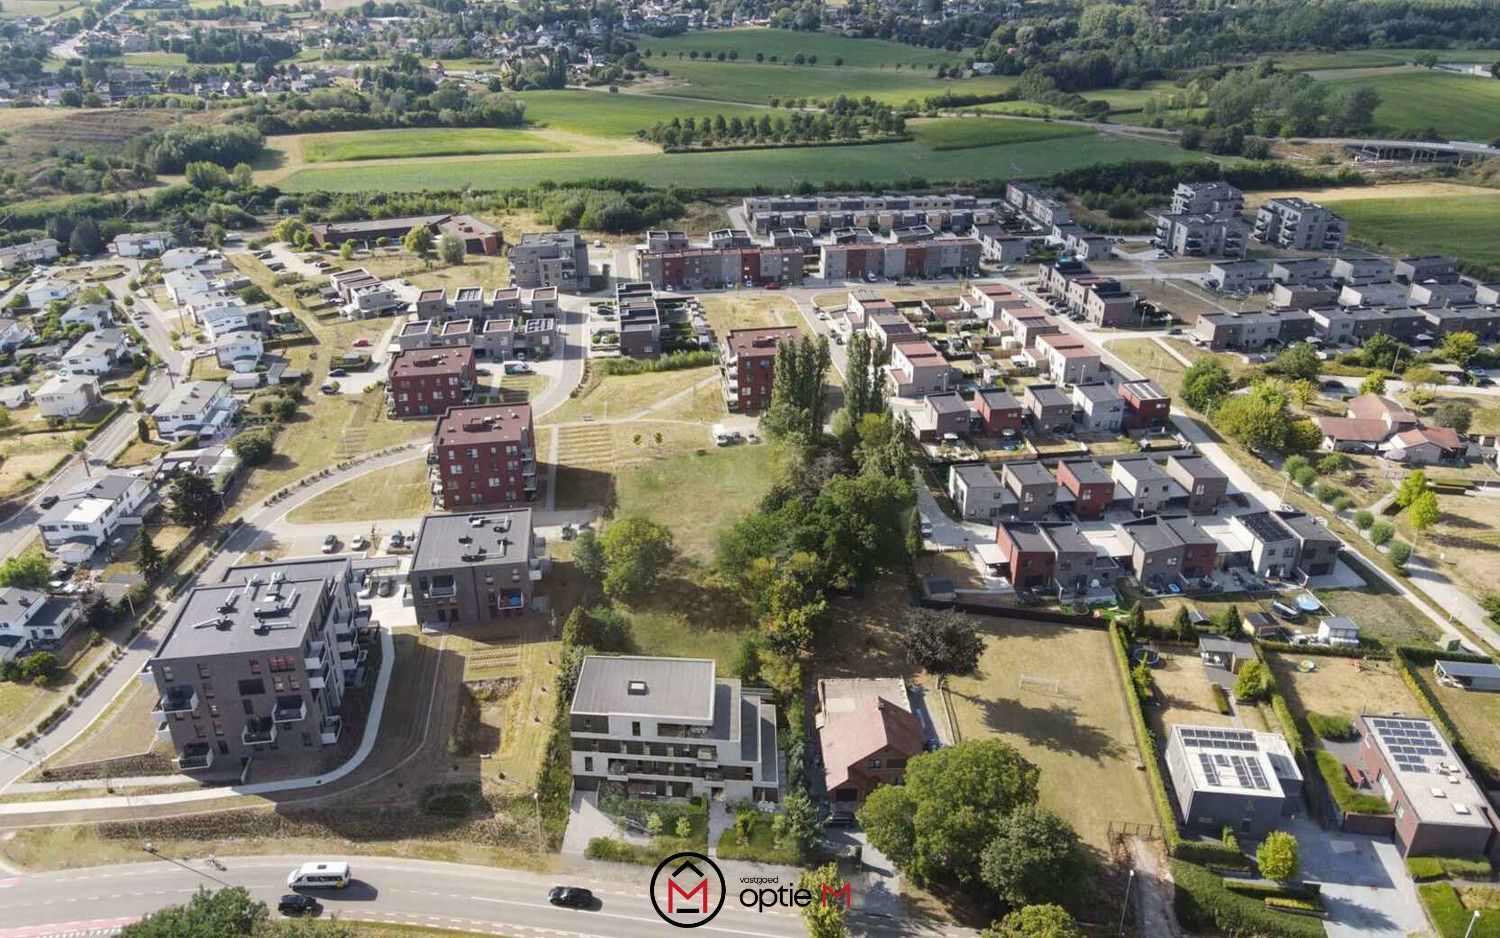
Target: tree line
point(875, 121)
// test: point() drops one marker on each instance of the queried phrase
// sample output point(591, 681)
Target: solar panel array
point(1246, 770)
point(1236, 740)
point(1408, 741)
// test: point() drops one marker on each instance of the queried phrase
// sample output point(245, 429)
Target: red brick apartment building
point(749, 362)
point(484, 456)
point(426, 382)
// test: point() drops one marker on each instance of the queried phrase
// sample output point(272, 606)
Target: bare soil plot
point(27, 457)
point(1079, 735)
point(1342, 686)
point(1475, 713)
point(956, 565)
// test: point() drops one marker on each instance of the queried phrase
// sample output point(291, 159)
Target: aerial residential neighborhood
point(796, 469)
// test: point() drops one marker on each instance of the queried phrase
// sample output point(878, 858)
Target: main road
point(410, 892)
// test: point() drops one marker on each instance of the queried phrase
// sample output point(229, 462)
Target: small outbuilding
point(1260, 624)
point(1224, 653)
point(1470, 675)
point(1338, 630)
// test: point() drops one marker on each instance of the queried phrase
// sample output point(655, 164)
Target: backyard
point(1345, 687)
point(1475, 713)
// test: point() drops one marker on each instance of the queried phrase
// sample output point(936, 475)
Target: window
point(281, 663)
point(254, 665)
point(635, 727)
point(202, 671)
point(588, 763)
point(874, 763)
point(249, 706)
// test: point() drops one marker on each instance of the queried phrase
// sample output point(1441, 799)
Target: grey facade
point(1232, 778)
point(1049, 407)
point(1299, 225)
point(1206, 485)
point(1034, 488)
point(472, 569)
point(550, 259)
point(1240, 276)
point(1203, 235)
point(1207, 198)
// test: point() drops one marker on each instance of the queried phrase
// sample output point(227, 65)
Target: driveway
point(1365, 884)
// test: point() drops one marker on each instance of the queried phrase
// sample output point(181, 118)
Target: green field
point(757, 84)
point(1122, 100)
point(15, 9)
point(1458, 107)
point(739, 170)
point(1363, 58)
point(601, 114)
point(415, 142)
point(1467, 227)
point(958, 133)
point(156, 59)
point(786, 43)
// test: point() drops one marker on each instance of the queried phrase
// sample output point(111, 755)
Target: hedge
point(1221, 699)
point(1450, 917)
point(1331, 727)
point(1296, 906)
point(1262, 889)
point(1202, 900)
point(1344, 794)
point(1164, 814)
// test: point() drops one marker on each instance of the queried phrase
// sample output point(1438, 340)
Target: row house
point(916, 369)
point(1304, 296)
point(1069, 360)
point(978, 493)
point(1295, 271)
point(1050, 408)
point(1144, 486)
point(998, 411)
point(1206, 485)
point(1244, 276)
point(1092, 488)
point(1049, 557)
point(1362, 269)
point(1098, 408)
point(1352, 325)
point(1146, 405)
point(1427, 268)
point(1166, 551)
point(1032, 485)
point(1251, 331)
point(1483, 321)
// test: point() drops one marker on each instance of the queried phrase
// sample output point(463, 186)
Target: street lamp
point(1472, 922)
point(536, 801)
point(1126, 909)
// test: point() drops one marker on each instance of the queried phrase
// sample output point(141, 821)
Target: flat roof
point(1428, 772)
point(264, 614)
point(1235, 761)
point(673, 688)
point(474, 539)
point(1030, 473)
point(482, 424)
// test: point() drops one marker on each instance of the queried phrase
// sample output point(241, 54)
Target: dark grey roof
point(998, 399)
point(1048, 395)
point(1068, 539)
point(950, 403)
point(1197, 467)
point(1098, 393)
point(1265, 526)
point(1086, 471)
point(1142, 469)
point(1030, 473)
point(1215, 643)
point(481, 537)
point(260, 616)
point(1470, 668)
point(1189, 531)
point(677, 688)
point(1026, 535)
point(977, 474)
point(1305, 527)
point(1151, 535)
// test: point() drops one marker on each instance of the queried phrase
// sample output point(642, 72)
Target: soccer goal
point(1051, 684)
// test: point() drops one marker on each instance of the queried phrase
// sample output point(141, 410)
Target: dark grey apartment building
point(1299, 225)
point(550, 259)
point(256, 664)
point(472, 569)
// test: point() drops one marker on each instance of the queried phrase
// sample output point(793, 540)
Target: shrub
point(1450, 917)
point(1293, 904)
point(1326, 492)
point(1400, 553)
point(1253, 683)
point(1363, 519)
point(1381, 533)
point(1331, 727)
point(1221, 699)
point(1305, 476)
point(1344, 795)
point(1202, 901)
point(1342, 503)
point(1293, 463)
point(1423, 869)
point(1279, 857)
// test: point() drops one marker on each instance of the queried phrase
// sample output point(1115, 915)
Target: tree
point(85, 240)
point(205, 175)
point(1455, 414)
point(1033, 858)
point(28, 571)
point(451, 249)
point(1260, 419)
point(346, 250)
point(149, 559)
point(684, 827)
point(799, 388)
point(1423, 512)
point(418, 241)
point(824, 915)
point(213, 233)
point(192, 501)
point(1413, 485)
point(254, 447)
point(1278, 857)
point(1382, 351)
point(1460, 347)
point(1231, 623)
point(1421, 379)
point(1399, 554)
point(801, 830)
point(1296, 363)
point(941, 641)
point(1253, 682)
point(1374, 383)
point(588, 556)
point(936, 826)
point(220, 914)
point(636, 551)
point(143, 429)
point(1205, 383)
point(1036, 921)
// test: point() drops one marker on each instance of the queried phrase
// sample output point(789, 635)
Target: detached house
point(1206, 485)
point(28, 620)
point(978, 492)
point(67, 396)
point(195, 407)
point(97, 352)
point(867, 733)
point(90, 514)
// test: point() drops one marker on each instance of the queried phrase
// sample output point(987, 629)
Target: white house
point(32, 252)
point(239, 351)
point(227, 313)
point(14, 334)
point(14, 396)
point(42, 292)
point(205, 260)
point(201, 407)
point(97, 352)
point(141, 244)
point(28, 618)
point(95, 315)
point(183, 284)
point(89, 515)
point(67, 395)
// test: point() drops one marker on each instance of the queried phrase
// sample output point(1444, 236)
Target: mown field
point(969, 133)
point(427, 141)
point(1458, 107)
point(1364, 58)
point(15, 9)
point(785, 44)
point(1450, 219)
point(876, 164)
point(757, 84)
point(601, 114)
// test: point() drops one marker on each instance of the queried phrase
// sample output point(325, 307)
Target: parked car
point(925, 527)
point(387, 586)
point(330, 544)
point(294, 904)
point(573, 897)
point(337, 373)
point(369, 588)
point(841, 819)
point(47, 501)
point(361, 343)
point(360, 543)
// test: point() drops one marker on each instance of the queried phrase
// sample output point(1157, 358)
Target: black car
point(47, 501)
point(294, 904)
point(571, 896)
point(338, 373)
point(841, 819)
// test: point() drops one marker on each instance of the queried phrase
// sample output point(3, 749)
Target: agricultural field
point(785, 44)
point(1079, 735)
point(156, 59)
point(783, 168)
point(18, 9)
point(758, 84)
point(956, 133)
point(1413, 100)
point(600, 114)
point(417, 142)
point(1364, 58)
point(28, 136)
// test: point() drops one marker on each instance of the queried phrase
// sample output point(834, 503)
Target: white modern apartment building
point(668, 728)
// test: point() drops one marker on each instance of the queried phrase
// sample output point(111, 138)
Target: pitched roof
point(1375, 407)
point(851, 738)
point(1362, 430)
point(1444, 437)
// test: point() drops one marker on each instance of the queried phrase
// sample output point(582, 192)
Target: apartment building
point(978, 492)
point(916, 370)
point(748, 365)
point(550, 259)
point(1042, 209)
point(926, 257)
point(256, 665)
point(1092, 488)
point(475, 568)
point(709, 268)
point(1203, 235)
point(1299, 225)
point(426, 383)
point(1146, 405)
point(479, 237)
point(1207, 198)
point(483, 456)
point(639, 318)
point(1251, 331)
point(874, 212)
point(668, 728)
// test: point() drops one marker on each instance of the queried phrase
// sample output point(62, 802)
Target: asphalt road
point(412, 892)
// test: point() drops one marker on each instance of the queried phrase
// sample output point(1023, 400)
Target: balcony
point(146, 676)
point(293, 710)
point(316, 681)
point(330, 729)
point(163, 732)
point(178, 700)
point(195, 756)
point(258, 732)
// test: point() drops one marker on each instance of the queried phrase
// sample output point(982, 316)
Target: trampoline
point(1148, 655)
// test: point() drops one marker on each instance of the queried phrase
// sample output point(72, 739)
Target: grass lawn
point(1465, 543)
point(16, 9)
point(787, 43)
point(697, 496)
point(1080, 738)
point(1381, 615)
point(157, 59)
point(591, 456)
point(686, 619)
point(775, 168)
point(517, 703)
point(600, 114)
point(26, 457)
point(760, 846)
point(615, 396)
point(1458, 107)
point(418, 142)
point(959, 133)
point(1342, 686)
point(726, 311)
point(1362, 58)
point(1476, 714)
point(399, 491)
point(1126, 100)
point(1183, 694)
point(758, 84)
point(21, 705)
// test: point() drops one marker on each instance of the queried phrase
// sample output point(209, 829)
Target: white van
point(322, 874)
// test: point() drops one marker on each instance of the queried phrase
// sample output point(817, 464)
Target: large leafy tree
point(27, 571)
point(941, 641)
point(1036, 921)
point(1260, 419)
point(1205, 383)
point(192, 500)
point(823, 919)
point(221, 914)
point(636, 551)
point(1034, 858)
point(955, 801)
point(1412, 486)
